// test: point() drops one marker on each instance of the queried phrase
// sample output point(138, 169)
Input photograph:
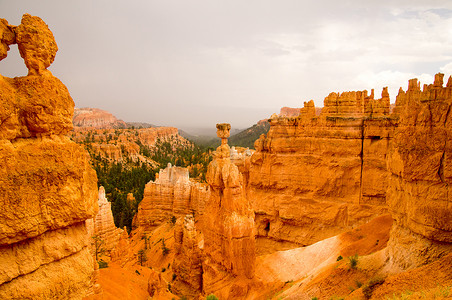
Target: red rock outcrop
point(171, 194)
point(419, 162)
point(289, 112)
point(104, 226)
point(47, 186)
point(187, 259)
point(313, 176)
point(96, 118)
point(228, 226)
point(121, 145)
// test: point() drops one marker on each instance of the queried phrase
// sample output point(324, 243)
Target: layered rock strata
point(47, 186)
point(312, 177)
point(420, 166)
point(172, 194)
point(187, 259)
point(104, 226)
point(96, 118)
point(229, 243)
point(122, 145)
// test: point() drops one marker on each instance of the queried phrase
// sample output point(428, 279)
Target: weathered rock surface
point(313, 176)
point(96, 118)
point(36, 43)
point(104, 226)
point(229, 243)
point(47, 186)
point(7, 37)
point(419, 161)
point(187, 259)
point(171, 194)
point(121, 145)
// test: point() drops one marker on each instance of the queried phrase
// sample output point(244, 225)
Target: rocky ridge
point(47, 186)
point(96, 118)
point(120, 145)
point(312, 177)
point(419, 161)
point(171, 194)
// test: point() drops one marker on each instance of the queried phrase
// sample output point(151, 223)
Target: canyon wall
point(420, 166)
point(96, 118)
point(171, 194)
point(312, 177)
point(122, 145)
point(47, 186)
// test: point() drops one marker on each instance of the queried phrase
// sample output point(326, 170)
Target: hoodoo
point(229, 236)
point(47, 186)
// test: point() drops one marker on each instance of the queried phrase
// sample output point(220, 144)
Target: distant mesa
point(96, 118)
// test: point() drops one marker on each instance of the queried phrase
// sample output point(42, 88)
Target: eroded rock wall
point(47, 186)
point(96, 118)
point(187, 258)
point(314, 176)
point(104, 225)
point(420, 166)
point(229, 235)
point(171, 194)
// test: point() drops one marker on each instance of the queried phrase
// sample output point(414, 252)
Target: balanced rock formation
point(96, 118)
point(420, 164)
point(312, 177)
point(47, 186)
point(104, 226)
point(228, 225)
point(172, 194)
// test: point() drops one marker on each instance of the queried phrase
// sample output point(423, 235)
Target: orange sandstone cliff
point(419, 161)
point(172, 194)
point(47, 187)
point(313, 177)
point(96, 118)
point(104, 226)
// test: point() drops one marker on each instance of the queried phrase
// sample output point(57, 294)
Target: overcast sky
point(197, 63)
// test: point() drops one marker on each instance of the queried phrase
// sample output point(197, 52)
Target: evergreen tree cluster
point(128, 176)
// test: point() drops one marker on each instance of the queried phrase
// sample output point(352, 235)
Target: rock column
point(229, 242)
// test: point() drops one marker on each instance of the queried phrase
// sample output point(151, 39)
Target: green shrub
point(102, 264)
point(211, 297)
point(353, 261)
point(368, 289)
point(165, 250)
point(339, 258)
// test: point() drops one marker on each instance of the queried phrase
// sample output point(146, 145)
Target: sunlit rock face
point(314, 176)
point(229, 235)
point(96, 118)
point(187, 264)
point(47, 187)
point(172, 194)
point(104, 226)
point(420, 166)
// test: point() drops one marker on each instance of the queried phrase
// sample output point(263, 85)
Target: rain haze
point(192, 64)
